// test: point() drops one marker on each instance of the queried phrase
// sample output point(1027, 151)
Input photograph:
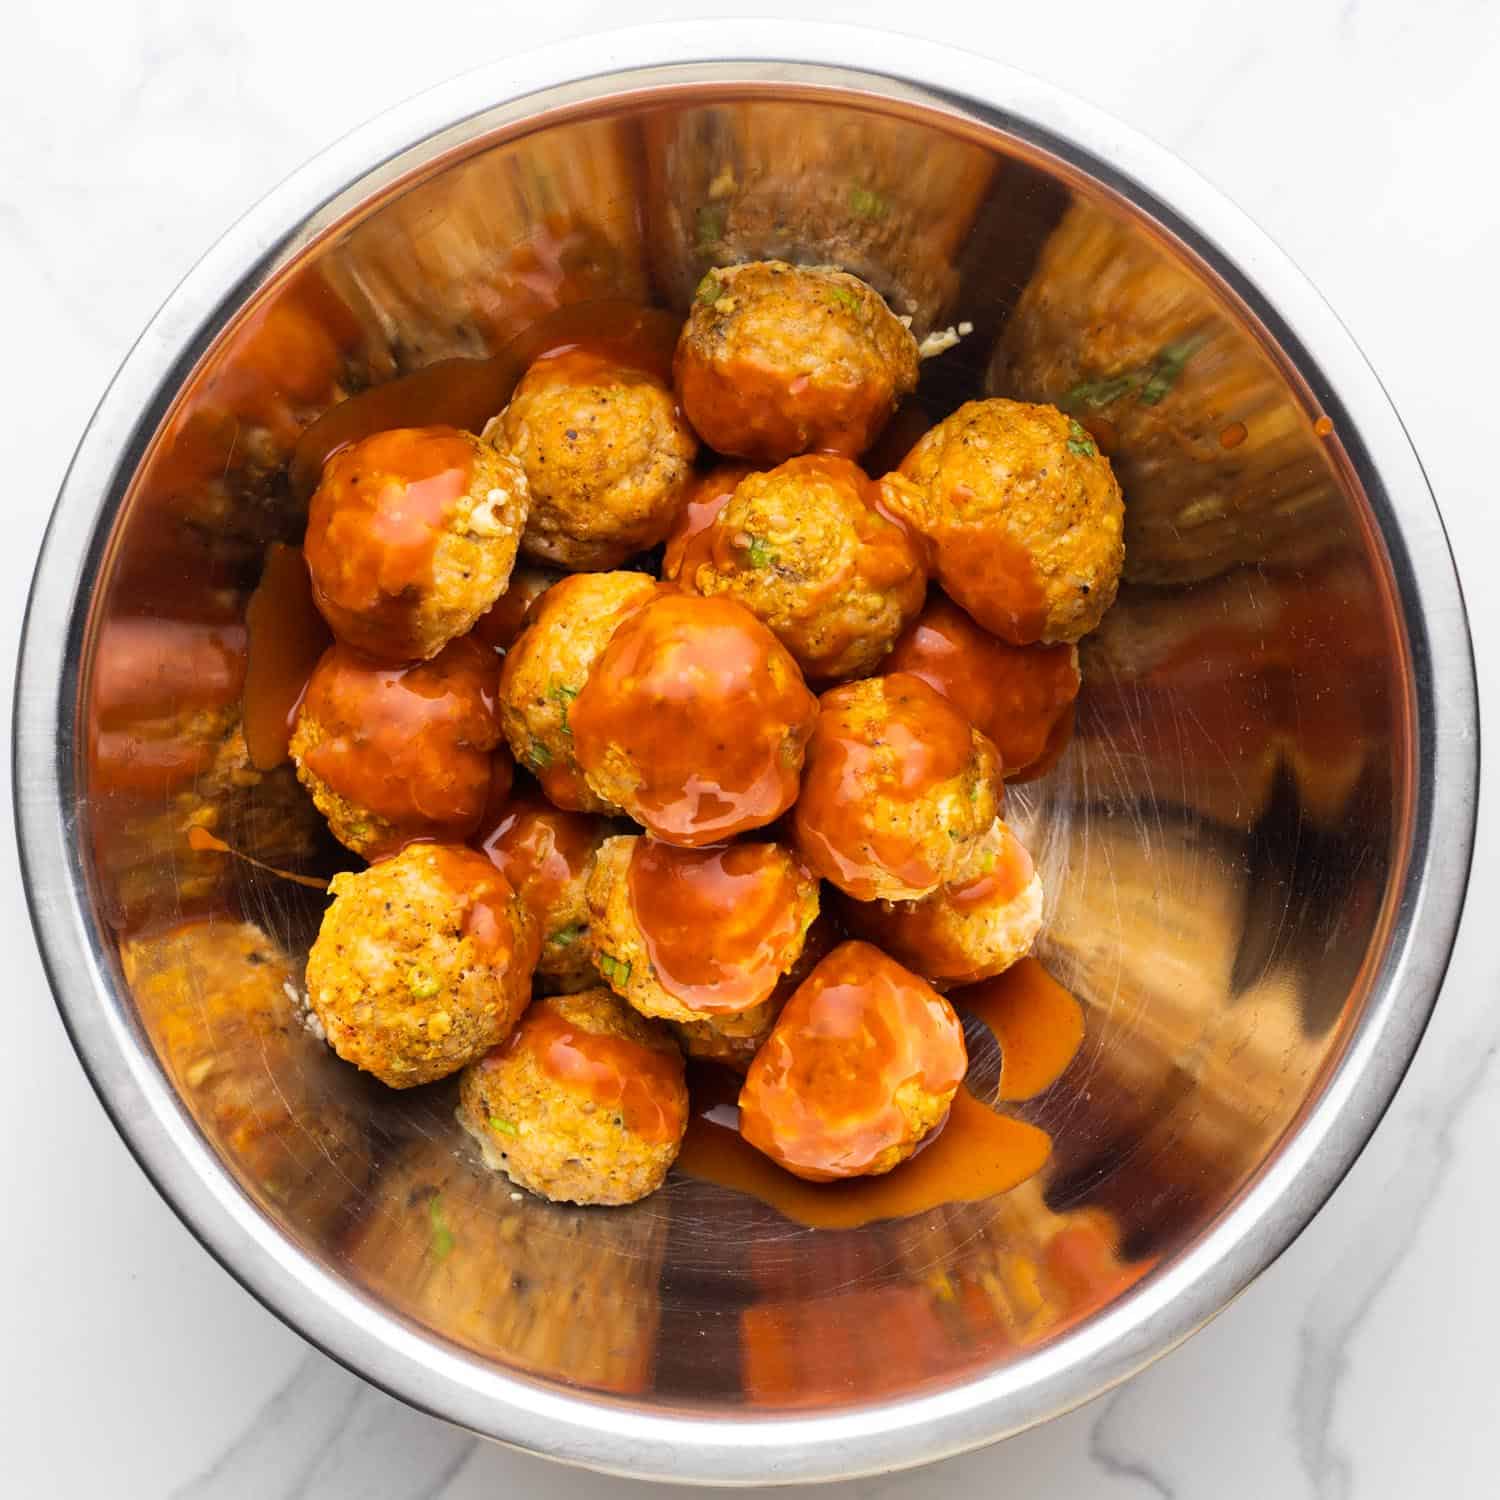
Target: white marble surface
point(1360, 134)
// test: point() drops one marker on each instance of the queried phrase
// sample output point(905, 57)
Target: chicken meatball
point(411, 537)
point(585, 1103)
point(504, 620)
point(777, 360)
point(804, 549)
point(900, 791)
point(423, 962)
point(606, 452)
point(544, 672)
point(694, 721)
point(689, 933)
point(1023, 516)
point(546, 855)
point(966, 932)
point(1020, 696)
point(861, 1066)
point(391, 754)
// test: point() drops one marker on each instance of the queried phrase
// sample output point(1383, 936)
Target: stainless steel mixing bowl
point(1255, 847)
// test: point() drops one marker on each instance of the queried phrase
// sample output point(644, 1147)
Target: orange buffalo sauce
point(707, 709)
point(286, 637)
point(541, 850)
point(487, 901)
point(717, 923)
point(821, 1097)
point(466, 393)
point(994, 578)
point(409, 744)
point(1037, 1023)
point(706, 497)
point(865, 763)
point(1020, 696)
point(642, 1084)
point(201, 841)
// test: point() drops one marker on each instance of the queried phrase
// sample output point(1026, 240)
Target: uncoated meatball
point(777, 360)
point(545, 670)
point(411, 536)
point(899, 792)
point(965, 932)
point(1023, 515)
point(863, 1063)
point(391, 754)
point(422, 963)
point(607, 454)
point(804, 549)
point(684, 934)
point(585, 1103)
point(694, 720)
point(546, 855)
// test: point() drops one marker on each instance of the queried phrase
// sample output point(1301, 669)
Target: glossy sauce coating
point(694, 720)
point(861, 1048)
point(920, 743)
point(287, 638)
point(706, 497)
point(718, 922)
point(1037, 1023)
point(641, 1083)
point(409, 744)
point(993, 576)
point(1018, 695)
point(373, 529)
point(487, 898)
point(540, 849)
point(201, 841)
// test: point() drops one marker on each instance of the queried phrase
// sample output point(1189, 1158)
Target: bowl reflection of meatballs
point(600, 795)
point(584, 1103)
point(1023, 516)
point(900, 794)
point(694, 721)
point(545, 670)
point(777, 360)
point(411, 537)
point(963, 932)
point(390, 754)
point(692, 934)
point(422, 962)
point(862, 1064)
point(804, 549)
point(606, 454)
point(546, 854)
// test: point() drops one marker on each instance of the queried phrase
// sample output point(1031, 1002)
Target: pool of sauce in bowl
point(716, 922)
point(977, 1153)
point(466, 393)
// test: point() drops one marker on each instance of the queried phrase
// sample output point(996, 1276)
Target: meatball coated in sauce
point(804, 549)
point(706, 497)
point(684, 934)
point(1020, 696)
point(546, 855)
point(694, 721)
point(546, 668)
point(585, 1103)
point(777, 360)
point(899, 793)
point(1023, 516)
point(861, 1066)
point(606, 452)
point(965, 932)
point(423, 962)
point(411, 537)
point(391, 754)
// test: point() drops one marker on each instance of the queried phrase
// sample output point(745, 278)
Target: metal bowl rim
point(613, 1435)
